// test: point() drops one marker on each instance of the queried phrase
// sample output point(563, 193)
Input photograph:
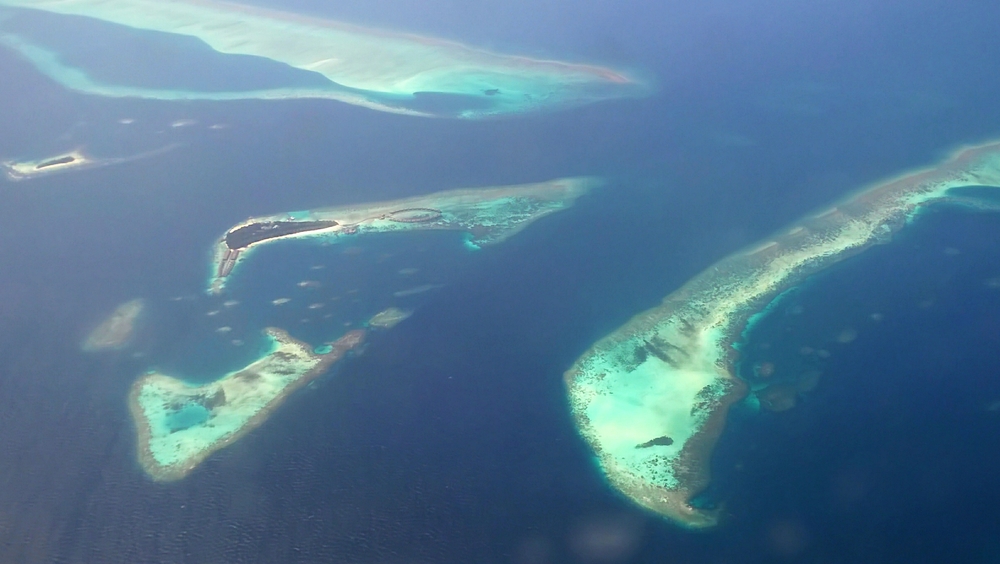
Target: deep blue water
point(448, 440)
point(889, 460)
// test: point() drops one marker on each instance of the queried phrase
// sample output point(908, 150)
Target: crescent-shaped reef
point(379, 69)
point(651, 398)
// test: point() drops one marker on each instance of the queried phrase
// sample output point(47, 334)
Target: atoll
point(652, 397)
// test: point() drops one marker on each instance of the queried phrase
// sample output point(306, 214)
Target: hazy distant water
point(448, 440)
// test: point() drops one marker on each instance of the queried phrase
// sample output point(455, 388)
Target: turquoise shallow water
point(189, 416)
point(448, 439)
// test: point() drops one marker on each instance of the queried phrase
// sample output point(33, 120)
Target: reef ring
point(414, 215)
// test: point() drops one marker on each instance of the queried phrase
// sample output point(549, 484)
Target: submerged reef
point(180, 424)
point(379, 69)
point(652, 397)
point(116, 331)
point(389, 318)
point(487, 215)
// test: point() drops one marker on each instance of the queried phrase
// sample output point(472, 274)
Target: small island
point(116, 331)
point(180, 424)
point(24, 170)
point(652, 397)
point(486, 215)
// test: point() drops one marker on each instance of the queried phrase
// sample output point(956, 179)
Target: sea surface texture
point(519, 282)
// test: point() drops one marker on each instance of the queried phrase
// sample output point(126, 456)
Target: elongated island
point(651, 398)
point(22, 170)
point(180, 424)
point(74, 160)
point(487, 215)
point(379, 69)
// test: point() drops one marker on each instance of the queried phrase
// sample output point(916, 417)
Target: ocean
point(448, 439)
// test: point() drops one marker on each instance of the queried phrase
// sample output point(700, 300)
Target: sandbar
point(486, 215)
point(376, 68)
point(116, 331)
point(389, 318)
point(651, 398)
point(180, 424)
point(72, 161)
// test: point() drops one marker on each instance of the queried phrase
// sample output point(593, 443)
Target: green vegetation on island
point(75, 160)
point(179, 424)
point(23, 170)
point(116, 331)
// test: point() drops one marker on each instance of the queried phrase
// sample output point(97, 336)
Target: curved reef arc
point(376, 68)
point(487, 215)
point(669, 373)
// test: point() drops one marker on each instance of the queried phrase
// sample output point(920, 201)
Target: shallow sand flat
point(376, 68)
point(24, 170)
point(116, 331)
point(651, 398)
point(389, 318)
point(71, 161)
point(180, 424)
